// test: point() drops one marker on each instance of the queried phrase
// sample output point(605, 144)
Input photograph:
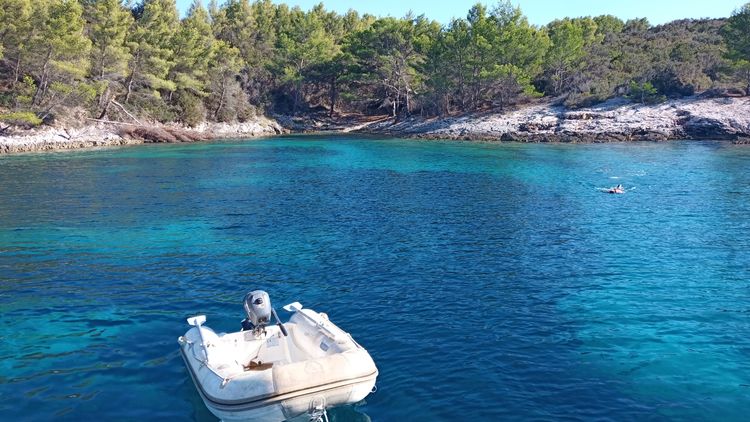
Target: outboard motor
point(258, 308)
point(259, 311)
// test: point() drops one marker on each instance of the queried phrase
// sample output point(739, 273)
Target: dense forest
point(105, 59)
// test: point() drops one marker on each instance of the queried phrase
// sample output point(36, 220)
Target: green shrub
point(6, 99)
point(644, 93)
point(245, 112)
point(153, 107)
point(225, 115)
point(191, 109)
point(580, 100)
point(25, 119)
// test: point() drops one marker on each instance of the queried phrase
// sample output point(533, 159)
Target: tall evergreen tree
point(302, 49)
point(192, 46)
point(389, 55)
point(482, 34)
point(569, 39)
point(61, 49)
point(520, 49)
point(226, 101)
point(17, 29)
point(252, 30)
point(150, 44)
point(108, 23)
point(737, 36)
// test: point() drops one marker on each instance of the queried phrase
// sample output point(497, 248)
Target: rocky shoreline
point(616, 120)
point(112, 134)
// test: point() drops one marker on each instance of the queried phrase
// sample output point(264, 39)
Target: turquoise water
point(487, 281)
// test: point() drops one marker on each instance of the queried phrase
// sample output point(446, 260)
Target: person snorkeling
point(617, 189)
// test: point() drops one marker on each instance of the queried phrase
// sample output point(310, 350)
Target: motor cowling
point(258, 308)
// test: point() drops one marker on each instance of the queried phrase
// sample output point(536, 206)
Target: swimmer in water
point(616, 189)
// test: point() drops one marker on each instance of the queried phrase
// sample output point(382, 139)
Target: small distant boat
point(276, 372)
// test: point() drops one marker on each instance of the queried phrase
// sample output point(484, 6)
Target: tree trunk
point(41, 88)
point(333, 96)
point(559, 79)
point(104, 99)
point(221, 97)
point(129, 90)
point(460, 67)
point(296, 97)
point(102, 52)
point(103, 114)
point(129, 83)
point(16, 72)
point(475, 88)
point(408, 103)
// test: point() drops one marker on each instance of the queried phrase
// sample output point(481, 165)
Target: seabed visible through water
point(487, 281)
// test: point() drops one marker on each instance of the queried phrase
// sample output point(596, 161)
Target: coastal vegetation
point(109, 60)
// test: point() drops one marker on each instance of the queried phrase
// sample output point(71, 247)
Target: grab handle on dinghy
point(321, 324)
point(197, 321)
point(293, 307)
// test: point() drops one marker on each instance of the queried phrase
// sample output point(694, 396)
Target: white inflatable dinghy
point(276, 372)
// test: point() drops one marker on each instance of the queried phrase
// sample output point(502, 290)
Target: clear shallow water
point(487, 281)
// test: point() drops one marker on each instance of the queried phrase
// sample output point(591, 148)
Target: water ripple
point(489, 282)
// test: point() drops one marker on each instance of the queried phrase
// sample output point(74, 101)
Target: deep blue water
point(487, 281)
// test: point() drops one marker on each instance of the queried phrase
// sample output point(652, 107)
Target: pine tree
point(517, 52)
point(569, 41)
point(152, 56)
point(192, 46)
point(737, 36)
point(108, 23)
point(301, 50)
point(61, 52)
point(227, 101)
point(480, 56)
point(252, 30)
point(17, 29)
point(390, 55)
